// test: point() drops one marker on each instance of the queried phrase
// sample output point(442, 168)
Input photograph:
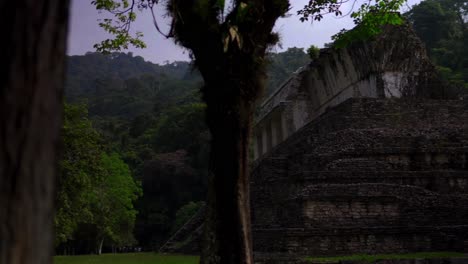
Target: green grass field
point(153, 258)
point(372, 258)
point(131, 258)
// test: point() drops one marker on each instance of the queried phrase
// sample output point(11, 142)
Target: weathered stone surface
point(368, 176)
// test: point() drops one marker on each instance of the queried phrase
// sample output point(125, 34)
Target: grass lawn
point(371, 258)
point(130, 258)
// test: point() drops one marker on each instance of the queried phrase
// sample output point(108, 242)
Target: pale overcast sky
point(84, 32)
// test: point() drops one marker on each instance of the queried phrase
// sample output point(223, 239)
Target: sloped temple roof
point(394, 64)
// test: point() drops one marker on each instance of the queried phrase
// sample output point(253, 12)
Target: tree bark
point(31, 82)
point(233, 82)
point(227, 235)
point(99, 247)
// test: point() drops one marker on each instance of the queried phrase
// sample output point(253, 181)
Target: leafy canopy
point(370, 16)
point(112, 199)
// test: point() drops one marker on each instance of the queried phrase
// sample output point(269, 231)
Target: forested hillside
point(122, 86)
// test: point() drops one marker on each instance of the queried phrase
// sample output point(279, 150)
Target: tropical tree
point(96, 191)
point(228, 48)
point(443, 27)
point(112, 200)
point(79, 167)
point(313, 52)
point(31, 83)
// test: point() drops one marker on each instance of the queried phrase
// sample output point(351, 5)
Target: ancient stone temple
point(360, 152)
point(395, 65)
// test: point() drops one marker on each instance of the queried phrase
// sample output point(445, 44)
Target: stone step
point(379, 160)
point(440, 181)
point(373, 143)
point(363, 230)
point(343, 240)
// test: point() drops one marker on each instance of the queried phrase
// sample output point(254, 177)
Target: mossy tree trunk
point(31, 83)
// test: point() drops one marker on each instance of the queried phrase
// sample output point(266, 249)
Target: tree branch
point(195, 22)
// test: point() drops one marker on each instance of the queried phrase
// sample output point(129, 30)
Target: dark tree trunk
point(229, 117)
point(229, 209)
point(31, 83)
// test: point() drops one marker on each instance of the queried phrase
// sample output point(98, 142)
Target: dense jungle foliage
point(443, 27)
